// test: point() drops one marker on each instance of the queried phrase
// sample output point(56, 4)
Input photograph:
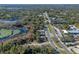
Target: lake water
point(12, 20)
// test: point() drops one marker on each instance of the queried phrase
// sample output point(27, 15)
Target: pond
point(9, 21)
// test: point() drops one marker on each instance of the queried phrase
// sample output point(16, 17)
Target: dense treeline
point(9, 48)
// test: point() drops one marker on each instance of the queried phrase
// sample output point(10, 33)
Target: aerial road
point(56, 36)
point(52, 43)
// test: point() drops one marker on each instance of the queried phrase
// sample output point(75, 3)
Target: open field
point(5, 32)
point(8, 32)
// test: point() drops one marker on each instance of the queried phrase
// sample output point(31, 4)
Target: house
point(58, 21)
point(72, 27)
point(72, 30)
point(42, 36)
point(42, 32)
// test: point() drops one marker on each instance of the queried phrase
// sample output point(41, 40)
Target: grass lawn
point(5, 32)
point(8, 32)
point(77, 25)
point(16, 31)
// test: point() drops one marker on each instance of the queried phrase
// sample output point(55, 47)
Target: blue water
point(10, 21)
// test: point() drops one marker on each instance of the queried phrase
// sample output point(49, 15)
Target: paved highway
point(48, 34)
point(52, 43)
point(61, 43)
point(56, 36)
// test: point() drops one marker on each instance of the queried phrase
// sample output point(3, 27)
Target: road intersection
point(53, 34)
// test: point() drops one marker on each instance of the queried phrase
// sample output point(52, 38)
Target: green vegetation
point(12, 48)
point(16, 31)
point(34, 20)
point(39, 50)
point(8, 32)
point(5, 32)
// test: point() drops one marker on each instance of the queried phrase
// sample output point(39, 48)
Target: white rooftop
point(65, 31)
